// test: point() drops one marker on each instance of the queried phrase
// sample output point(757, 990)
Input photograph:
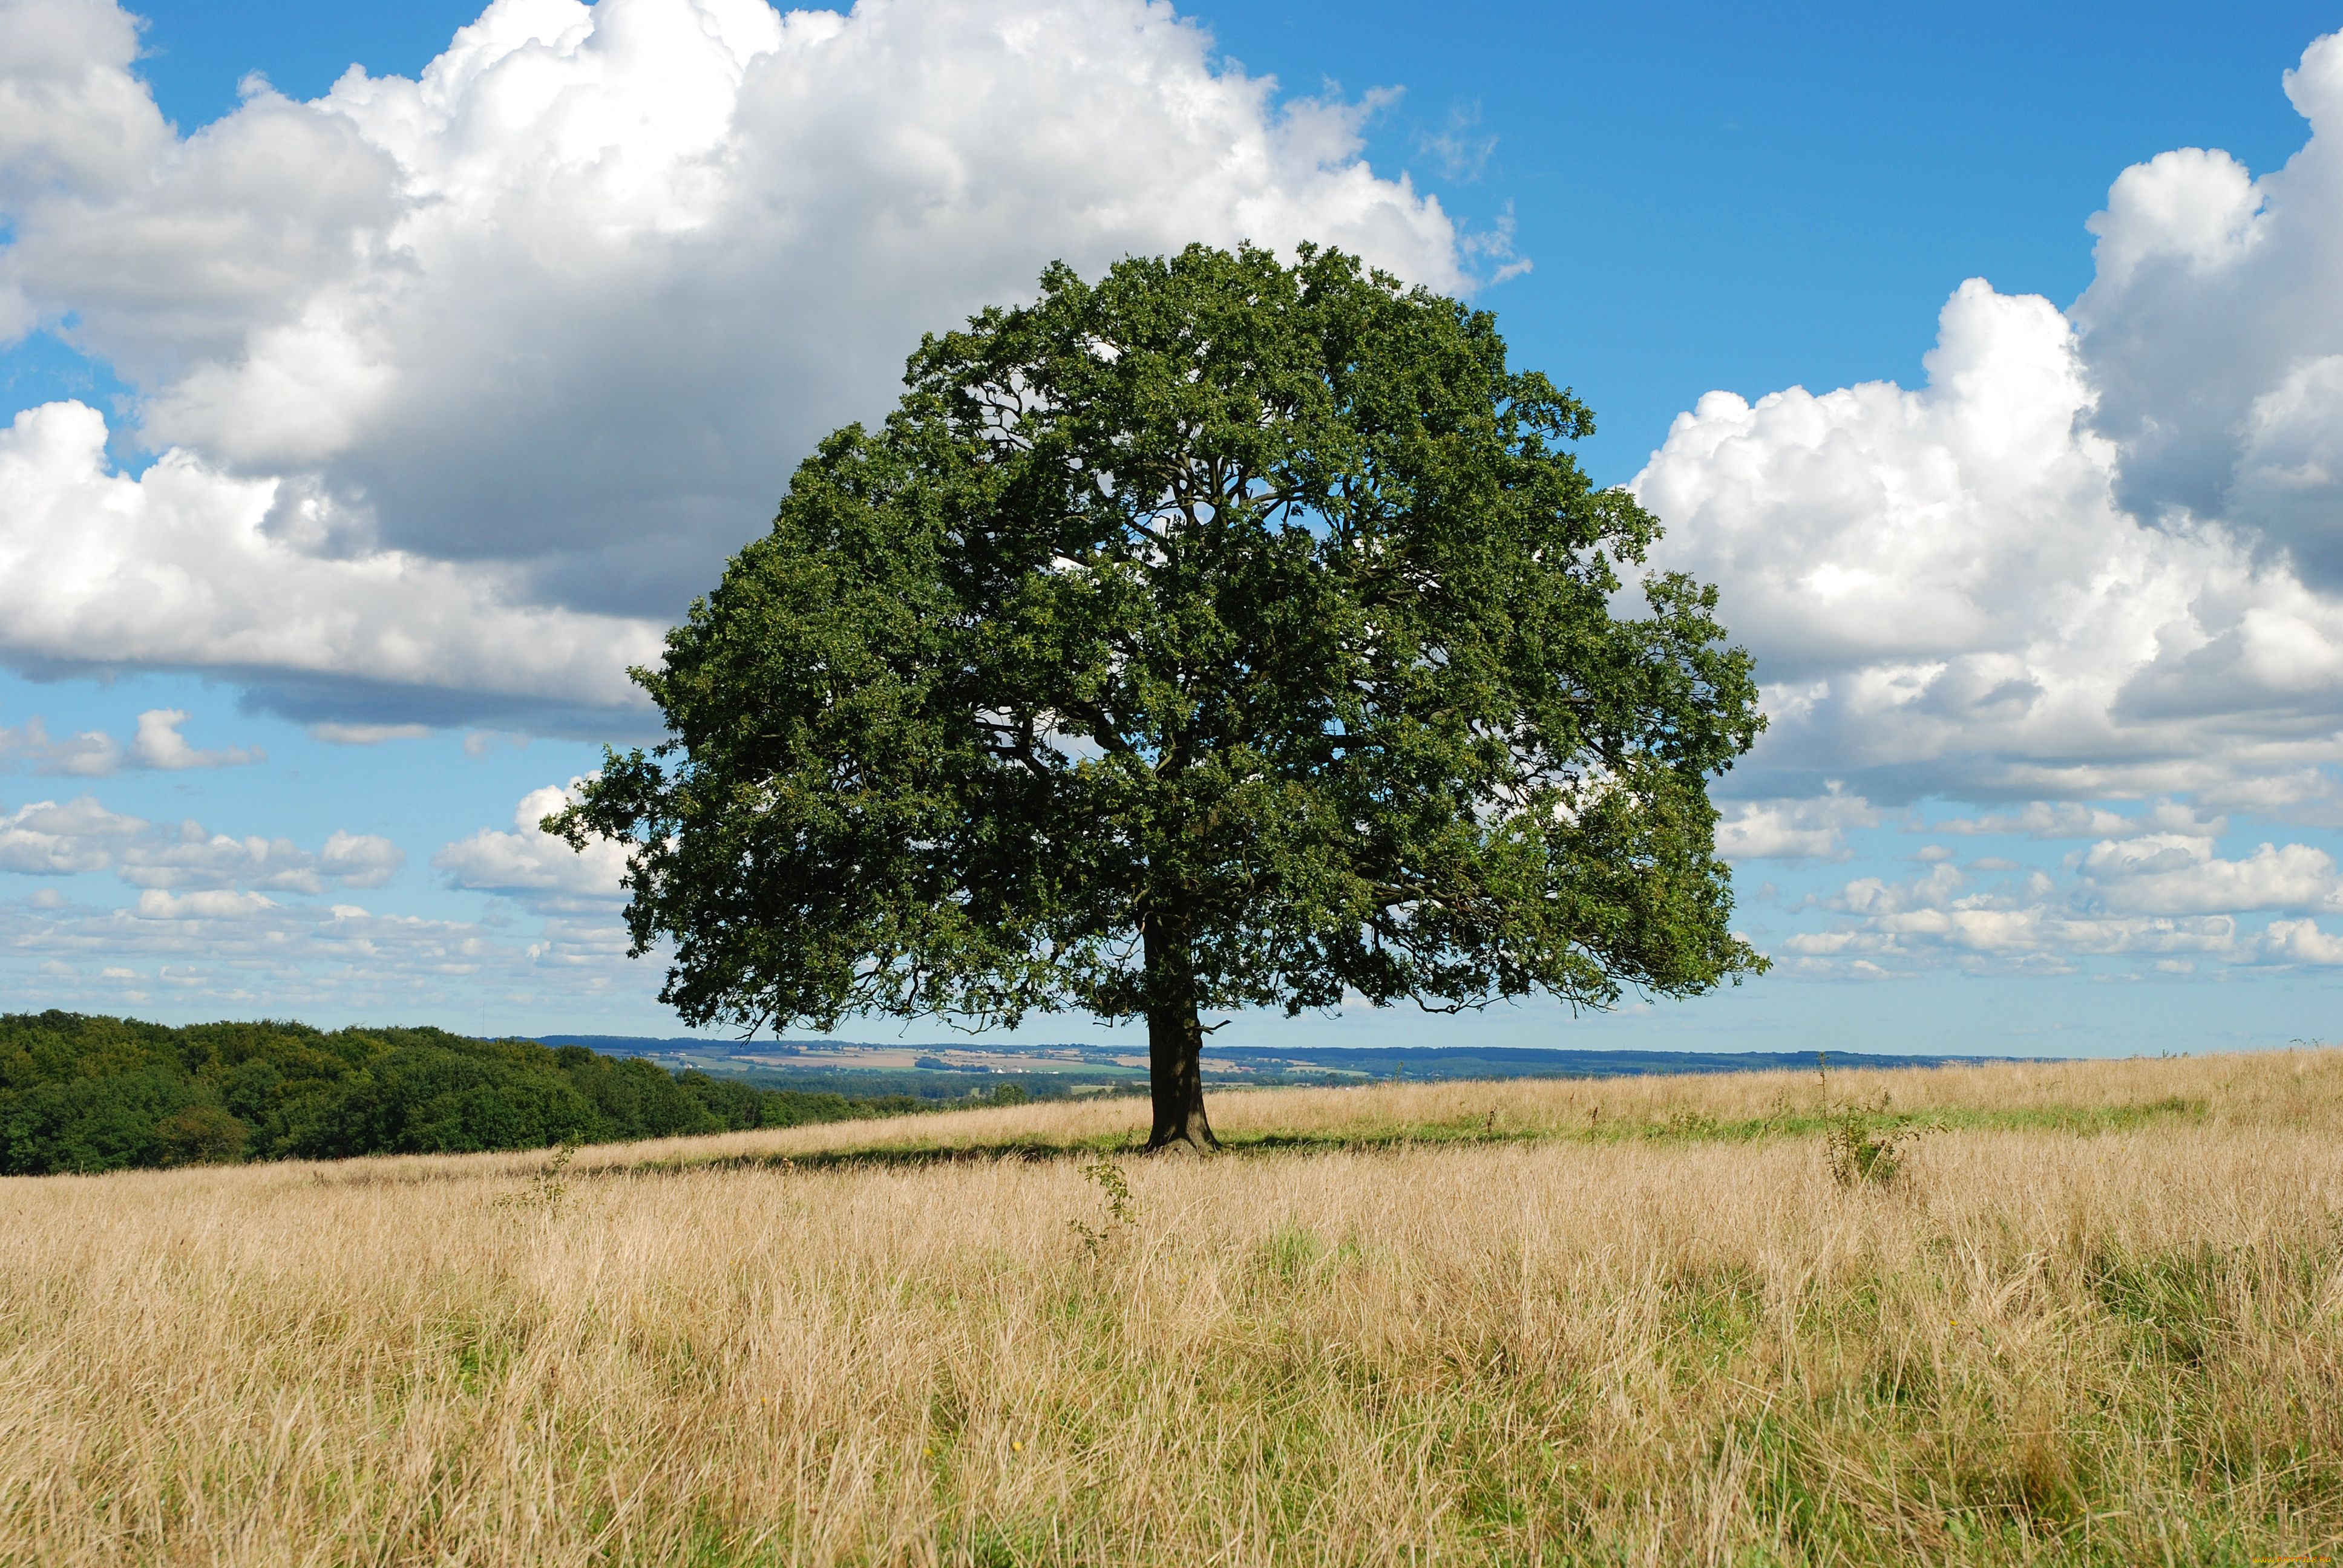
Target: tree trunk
point(1175, 1041)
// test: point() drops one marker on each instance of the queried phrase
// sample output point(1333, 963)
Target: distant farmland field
point(2073, 1312)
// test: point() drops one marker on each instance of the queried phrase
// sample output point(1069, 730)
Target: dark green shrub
point(200, 1135)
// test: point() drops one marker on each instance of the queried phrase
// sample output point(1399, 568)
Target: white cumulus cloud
point(225, 950)
point(2092, 558)
point(2300, 942)
point(45, 839)
point(91, 754)
point(155, 743)
point(209, 904)
point(465, 382)
point(1946, 917)
point(1810, 829)
point(1945, 595)
point(179, 567)
point(2051, 819)
point(532, 865)
point(159, 744)
point(2177, 873)
point(2153, 893)
point(188, 857)
point(2215, 333)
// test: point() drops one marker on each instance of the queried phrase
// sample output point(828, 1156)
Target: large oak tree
point(1220, 633)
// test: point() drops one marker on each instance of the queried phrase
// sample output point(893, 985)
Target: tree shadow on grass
point(1039, 1150)
point(1472, 1132)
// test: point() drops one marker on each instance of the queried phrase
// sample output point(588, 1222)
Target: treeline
point(89, 1093)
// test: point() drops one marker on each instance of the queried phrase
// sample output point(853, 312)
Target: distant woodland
point(82, 1093)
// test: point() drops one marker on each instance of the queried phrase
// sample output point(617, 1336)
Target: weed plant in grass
point(2094, 1317)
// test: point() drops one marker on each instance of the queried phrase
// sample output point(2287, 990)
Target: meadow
point(2074, 1313)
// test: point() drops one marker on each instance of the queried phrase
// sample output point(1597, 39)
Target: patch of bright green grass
point(1683, 1126)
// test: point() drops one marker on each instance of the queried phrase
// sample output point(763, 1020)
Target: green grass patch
point(1678, 1127)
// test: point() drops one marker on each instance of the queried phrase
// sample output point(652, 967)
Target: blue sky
point(471, 389)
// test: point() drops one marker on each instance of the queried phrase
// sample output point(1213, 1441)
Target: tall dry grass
point(1493, 1328)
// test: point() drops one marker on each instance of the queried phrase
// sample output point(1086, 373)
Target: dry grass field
point(2097, 1316)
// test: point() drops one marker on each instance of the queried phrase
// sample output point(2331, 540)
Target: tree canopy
point(1219, 633)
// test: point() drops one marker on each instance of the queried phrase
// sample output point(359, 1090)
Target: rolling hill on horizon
point(1232, 1064)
